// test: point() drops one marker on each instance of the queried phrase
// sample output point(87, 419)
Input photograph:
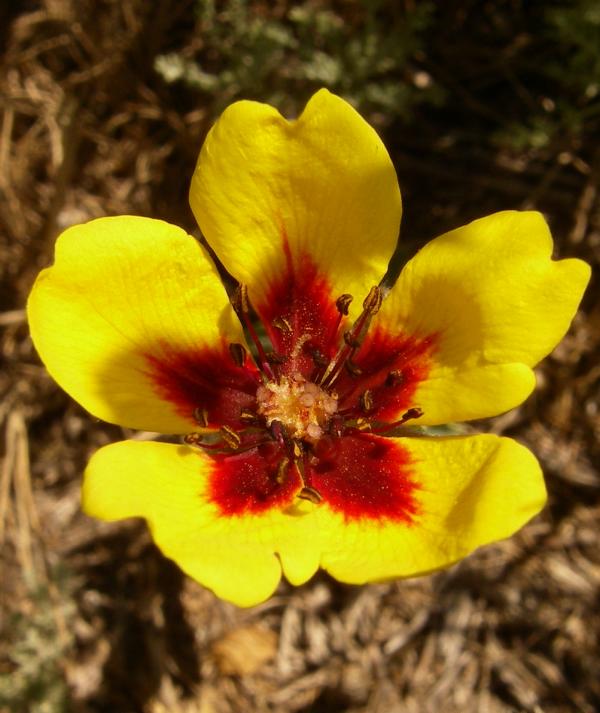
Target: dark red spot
point(205, 379)
point(366, 477)
point(247, 483)
point(409, 358)
point(301, 295)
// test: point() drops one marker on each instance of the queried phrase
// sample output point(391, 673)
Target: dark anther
point(238, 353)
point(352, 368)
point(310, 494)
point(282, 324)
point(282, 470)
point(275, 357)
point(414, 412)
point(394, 378)
point(373, 301)
point(230, 437)
point(343, 303)
point(351, 339)
point(192, 439)
point(366, 401)
point(201, 416)
point(318, 357)
point(248, 416)
point(239, 300)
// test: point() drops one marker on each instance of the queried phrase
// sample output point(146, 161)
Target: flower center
point(303, 408)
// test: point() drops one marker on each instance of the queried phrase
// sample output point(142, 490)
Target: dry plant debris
point(92, 617)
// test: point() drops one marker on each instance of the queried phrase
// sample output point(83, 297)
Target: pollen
point(303, 408)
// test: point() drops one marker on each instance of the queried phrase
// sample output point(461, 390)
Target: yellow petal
point(287, 203)
point(489, 302)
point(213, 517)
point(453, 495)
point(133, 322)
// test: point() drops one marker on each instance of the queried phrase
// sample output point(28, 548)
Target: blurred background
point(483, 106)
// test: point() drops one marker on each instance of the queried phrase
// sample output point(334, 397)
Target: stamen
point(282, 470)
point(276, 358)
point(353, 339)
point(230, 437)
point(362, 424)
point(238, 353)
point(409, 415)
point(343, 303)
point(201, 416)
point(319, 359)
point(310, 494)
point(241, 305)
point(247, 416)
point(366, 401)
point(352, 368)
point(394, 378)
point(282, 324)
point(373, 300)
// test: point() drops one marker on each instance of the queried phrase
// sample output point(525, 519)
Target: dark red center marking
point(366, 477)
point(203, 378)
point(302, 296)
point(247, 483)
point(409, 358)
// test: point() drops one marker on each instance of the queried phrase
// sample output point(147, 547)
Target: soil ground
point(93, 618)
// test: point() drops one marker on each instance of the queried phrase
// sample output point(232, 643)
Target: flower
point(304, 454)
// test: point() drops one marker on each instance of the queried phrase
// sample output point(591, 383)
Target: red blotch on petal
point(204, 378)
point(383, 353)
point(246, 483)
point(301, 295)
point(365, 477)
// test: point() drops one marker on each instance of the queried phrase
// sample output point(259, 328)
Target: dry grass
point(93, 618)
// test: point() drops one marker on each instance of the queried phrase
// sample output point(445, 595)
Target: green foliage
point(36, 683)
point(366, 55)
point(567, 71)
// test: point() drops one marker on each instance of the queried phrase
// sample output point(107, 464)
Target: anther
point(230, 437)
point(276, 358)
point(343, 303)
point(352, 368)
point(282, 467)
point(319, 359)
point(414, 412)
point(238, 353)
point(248, 416)
point(310, 494)
point(394, 378)
point(201, 416)
point(373, 301)
point(297, 450)
point(239, 299)
point(351, 339)
point(362, 424)
point(282, 324)
point(366, 401)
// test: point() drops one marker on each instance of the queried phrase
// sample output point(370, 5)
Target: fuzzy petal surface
point(133, 322)
point(465, 492)
point(316, 198)
point(492, 303)
point(239, 556)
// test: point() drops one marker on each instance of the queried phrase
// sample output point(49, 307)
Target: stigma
point(303, 408)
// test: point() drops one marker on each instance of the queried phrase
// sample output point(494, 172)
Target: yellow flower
point(293, 459)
